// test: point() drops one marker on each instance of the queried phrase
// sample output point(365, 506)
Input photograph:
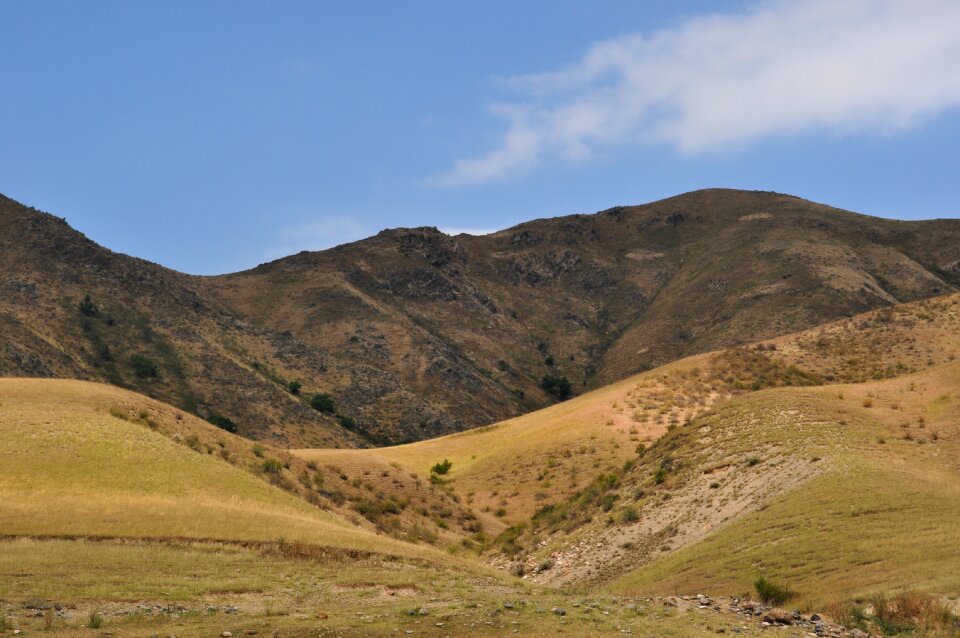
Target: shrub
point(545, 564)
point(258, 450)
point(348, 422)
point(222, 422)
point(87, 307)
point(557, 386)
point(441, 468)
point(143, 366)
point(629, 515)
point(323, 402)
point(660, 476)
point(772, 593)
point(94, 620)
point(294, 387)
point(271, 466)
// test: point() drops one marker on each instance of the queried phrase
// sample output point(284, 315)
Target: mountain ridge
point(416, 333)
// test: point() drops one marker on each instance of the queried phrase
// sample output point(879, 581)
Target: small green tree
point(294, 387)
point(87, 307)
point(556, 385)
point(323, 402)
point(143, 366)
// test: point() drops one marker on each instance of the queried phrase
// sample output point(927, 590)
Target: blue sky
point(213, 136)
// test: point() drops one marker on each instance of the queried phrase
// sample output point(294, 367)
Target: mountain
point(414, 333)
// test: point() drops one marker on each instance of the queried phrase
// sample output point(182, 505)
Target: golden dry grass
point(70, 467)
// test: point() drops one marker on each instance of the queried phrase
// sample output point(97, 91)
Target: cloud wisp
point(318, 234)
point(720, 81)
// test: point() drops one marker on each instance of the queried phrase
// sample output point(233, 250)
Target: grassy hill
point(416, 334)
point(74, 464)
point(712, 471)
point(117, 518)
point(840, 490)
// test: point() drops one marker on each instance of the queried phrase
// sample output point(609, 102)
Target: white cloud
point(783, 67)
point(317, 234)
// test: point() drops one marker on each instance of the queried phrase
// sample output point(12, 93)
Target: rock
point(508, 605)
point(36, 603)
point(778, 617)
point(231, 609)
point(859, 633)
point(226, 634)
point(815, 618)
point(423, 611)
point(559, 611)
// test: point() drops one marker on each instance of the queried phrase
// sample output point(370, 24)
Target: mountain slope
point(416, 334)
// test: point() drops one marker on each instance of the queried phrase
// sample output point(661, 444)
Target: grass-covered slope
point(836, 489)
point(880, 513)
point(73, 463)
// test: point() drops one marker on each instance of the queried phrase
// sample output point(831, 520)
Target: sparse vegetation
point(772, 593)
point(558, 386)
point(222, 422)
point(143, 366)
point(323, 402)
point(88, 308)
point(441, 468)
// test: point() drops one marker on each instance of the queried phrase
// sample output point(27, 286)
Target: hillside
point(120, 515)
point(827, 459)
point(843, 486)
point(415, 334)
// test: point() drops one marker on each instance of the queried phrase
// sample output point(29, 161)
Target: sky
point(214, 136)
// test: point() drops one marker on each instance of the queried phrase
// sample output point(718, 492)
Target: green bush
point(87, 307)
point(94, 620)
point(143, 366)
point(222, 422)
point(557, 386)
point(294, 387)
point(348, 422)
point(323, 402)
point(442, 467)
point(771, 593)
point(660, 476)
point(272, 466)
